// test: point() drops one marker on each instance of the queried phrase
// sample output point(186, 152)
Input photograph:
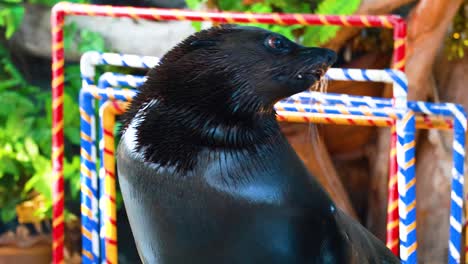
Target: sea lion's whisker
point(323, 83)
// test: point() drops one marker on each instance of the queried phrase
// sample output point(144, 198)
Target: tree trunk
point(434, 173)
point(427, 25)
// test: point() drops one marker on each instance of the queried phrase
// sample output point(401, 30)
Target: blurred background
point(351, 162)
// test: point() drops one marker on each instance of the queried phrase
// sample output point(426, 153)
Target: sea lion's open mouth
point(318, 73)
point(321, 83)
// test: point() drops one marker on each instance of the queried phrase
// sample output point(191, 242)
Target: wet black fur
point(217, 89)
point(239, 194)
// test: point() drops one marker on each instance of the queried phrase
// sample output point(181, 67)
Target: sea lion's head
point(238, 67)
point(217, 88)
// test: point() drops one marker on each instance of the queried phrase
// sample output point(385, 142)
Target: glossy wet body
point(206, 175)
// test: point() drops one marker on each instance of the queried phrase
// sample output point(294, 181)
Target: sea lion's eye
point(276, 43)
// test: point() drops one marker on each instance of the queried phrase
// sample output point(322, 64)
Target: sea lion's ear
point(203, 43)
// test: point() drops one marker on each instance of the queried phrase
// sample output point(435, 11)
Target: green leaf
point(71, 30)
point(12, 18)
point(41, 180)
point(43, 186)
point(9, 167)
point(11, 69)
point(8, 214)
point(197, 25)
point(91, 41)
point(69, 216)
point(15, 107)
point(230, 5)
point(316, 35)
point(9, 84)
point(71, 172)
point(194, 4)
point(21, 154)
point(260, 8)
point(31, 147)
point(118, 200)
point(44, 211)
point(72, 135)
point(8, 206)
point(73, 80)
point(72, 119)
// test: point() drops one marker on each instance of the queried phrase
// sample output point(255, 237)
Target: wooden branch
point(451, 78)
point(427, 26)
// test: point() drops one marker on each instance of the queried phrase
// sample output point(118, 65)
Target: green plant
point(25, 140)
point(310, 36)
point(23, 168)
point(26, 165)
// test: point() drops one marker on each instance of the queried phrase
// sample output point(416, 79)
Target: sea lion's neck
point(174, 135)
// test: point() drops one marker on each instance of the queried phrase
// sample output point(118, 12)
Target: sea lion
point(207, 176)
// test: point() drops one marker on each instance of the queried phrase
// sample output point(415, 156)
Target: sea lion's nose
point(328, 55)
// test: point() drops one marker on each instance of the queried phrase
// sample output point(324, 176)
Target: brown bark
point(427, 26)
point(354, 174)
point(432, 200)
point(434, 173)
point(377, 208)
point(212, 4)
